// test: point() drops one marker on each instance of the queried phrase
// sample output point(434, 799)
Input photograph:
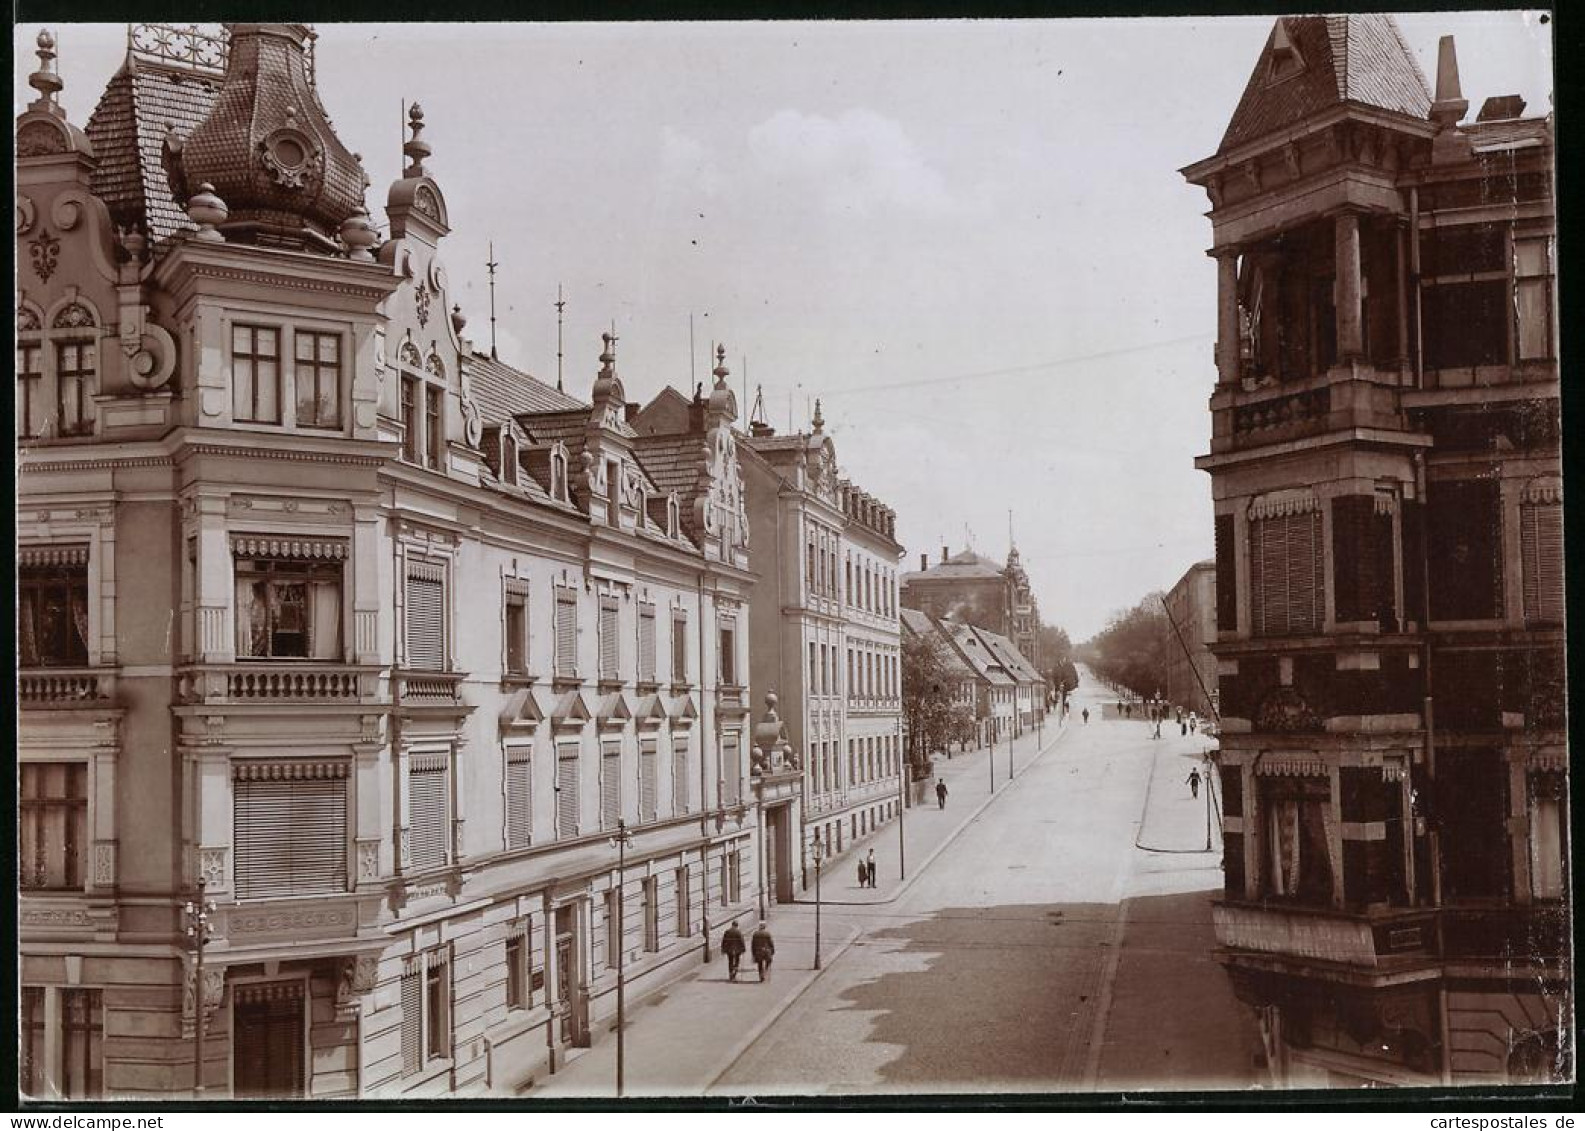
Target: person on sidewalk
point(1194, 781)
point(1194, 722)
point(764, 949)
point(864, 873)
point(941, 793)
point(732, 947)
point(1086, 715)
point(869, 867)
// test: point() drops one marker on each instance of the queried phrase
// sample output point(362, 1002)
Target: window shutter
point(610, 785)
point(567, 791)
point(679, 649)
point(518, 799)
point(426, 617)
point(646, 643)
point(1306, 572)
point(731, 772)
point(566, 632)
point(1541, 542)
point(429, 783)
point(648, 757)
point(412, 1022)
point(608, 640)
point(679, 774)
point(290, 828)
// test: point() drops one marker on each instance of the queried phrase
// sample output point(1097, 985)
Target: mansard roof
point(1311, 64)
point(128, 130)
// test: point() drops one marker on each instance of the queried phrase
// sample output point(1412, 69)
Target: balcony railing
point(1325, 935)
point(64, 687)
point(276, 683)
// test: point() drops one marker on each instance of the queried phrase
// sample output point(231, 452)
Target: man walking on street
point(941, 793)
point(1086, 715)
point(763, 949)
point(732, 947)
point(869, 867)
point(1194, 781)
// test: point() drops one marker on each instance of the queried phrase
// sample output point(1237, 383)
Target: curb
point(774, 1014)
point(902, 888)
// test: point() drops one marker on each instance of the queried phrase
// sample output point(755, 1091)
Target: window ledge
point(513, 680)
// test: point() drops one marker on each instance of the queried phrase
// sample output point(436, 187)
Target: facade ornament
point(39, 139)
point(458, 318)
point(207, 211)
point(416, 148)
point(44, 251)
point(472, 424)
point(27, 215)
point(360, 235)
point(74, 316)
point(46, 80)
point(421, 297)
point(27, 320)
point(359, 975)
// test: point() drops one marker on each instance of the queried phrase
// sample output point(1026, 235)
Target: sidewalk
point(682, 1038)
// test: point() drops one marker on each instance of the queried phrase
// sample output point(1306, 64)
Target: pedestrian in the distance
point(941, 793)
point(764, 949)
point(869, 866)
point(1194, 781)
point(1194, 722)
point(1086, 716)
point(864, 873)
point(1183, 728)
point(732, 947)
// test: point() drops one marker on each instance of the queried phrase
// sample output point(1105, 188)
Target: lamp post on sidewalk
point(904, 773)
point(819, 848)
point(990, 755)
point(620, 842)
point(196, 917)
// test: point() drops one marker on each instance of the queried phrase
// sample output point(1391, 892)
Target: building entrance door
point(267, 1059)
point(778, 854)
point(568, 995)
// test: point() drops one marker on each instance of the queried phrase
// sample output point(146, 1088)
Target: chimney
point(924, 562)
point(630, 411)
point(1450, 105)
point(759, 429)
point(1500, 108)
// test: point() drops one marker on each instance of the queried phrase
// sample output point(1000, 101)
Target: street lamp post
point(196, 917)
point(819, 847)
point(904, 775)
point(990, 755)
point(620, 841)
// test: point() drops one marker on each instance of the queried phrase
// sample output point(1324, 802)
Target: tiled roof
point(1355, 58)
point(1509, 133)
point(967, 564)
point(128, 129)
point(672, 462)
point(1011, 657)
point(501, 391)
point(795, 442)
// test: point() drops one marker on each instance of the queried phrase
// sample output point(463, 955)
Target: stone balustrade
point(62, 687)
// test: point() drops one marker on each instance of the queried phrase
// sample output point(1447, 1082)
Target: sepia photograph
point(789, 559)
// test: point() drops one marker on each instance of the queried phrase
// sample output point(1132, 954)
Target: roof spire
point(46, 80)
point(818, 421)
point(490, 265)
point(416, 148)
point(561, 305)
point(1450, 105)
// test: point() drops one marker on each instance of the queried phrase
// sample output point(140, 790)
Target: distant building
point(1191, 668)
point(1389, 568)
point(972, 588)
point(825, 640)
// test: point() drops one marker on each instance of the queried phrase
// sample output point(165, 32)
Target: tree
point(927, 699)
point(1133, 649)
point(1056, 657)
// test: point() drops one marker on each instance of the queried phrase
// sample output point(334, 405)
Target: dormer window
point(673, 517)
point(508, 458)
point(1285, 58)
point(558, 474)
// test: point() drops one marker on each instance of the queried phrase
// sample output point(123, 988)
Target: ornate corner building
point(373, 636)
point(1389, 568)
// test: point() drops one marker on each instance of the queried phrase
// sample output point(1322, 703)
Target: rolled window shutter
point(610, 786)
point(429, 781)
point(608, 639)
point(679, 648)
point(567, 793)
point(1541, 542)
point(290, 832)
point(518, 800)
point(648, 756)
point(1303, 579)
point(646, 644)
point(679, 775)
point(412, 1022)
point(566, 632)
point(426, 618)
point(730, 770)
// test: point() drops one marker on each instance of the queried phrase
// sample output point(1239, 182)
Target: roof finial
point(721, 371)
point(608, 355)
point(46, 80)
point(490, 266)
point(561, 305)
point(818, 421)
point(416, 148)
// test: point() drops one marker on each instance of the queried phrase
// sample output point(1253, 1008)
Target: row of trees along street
point(1132, 651)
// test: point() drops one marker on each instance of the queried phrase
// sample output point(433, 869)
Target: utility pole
point(621, 840)
point(196, 917)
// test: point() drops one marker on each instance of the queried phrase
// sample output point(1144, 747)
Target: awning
point(1307, 764)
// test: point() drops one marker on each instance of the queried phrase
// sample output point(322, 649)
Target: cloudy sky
point(968, 238)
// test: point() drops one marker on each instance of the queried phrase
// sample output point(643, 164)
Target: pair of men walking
point(762, 946)
point(867, 870)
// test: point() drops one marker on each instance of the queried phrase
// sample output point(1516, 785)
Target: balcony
point(1375, 939)
point(430, 688)
point(253, 683)
point(57, 688)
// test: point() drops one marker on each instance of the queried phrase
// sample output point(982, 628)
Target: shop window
point(290, 828)
point(256, 374)
point(318, 377)
point(288, 608)
point(53, 836)
point(32, 1043)
point(52, 607)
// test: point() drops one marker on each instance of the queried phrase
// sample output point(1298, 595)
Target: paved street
point(1034, 947)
